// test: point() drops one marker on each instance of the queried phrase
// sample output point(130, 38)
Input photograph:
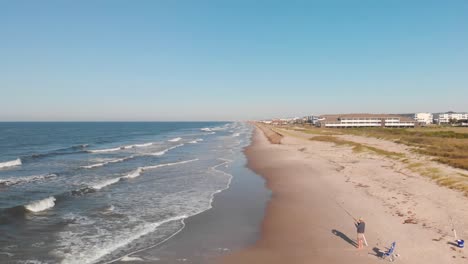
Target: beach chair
point(389, 253)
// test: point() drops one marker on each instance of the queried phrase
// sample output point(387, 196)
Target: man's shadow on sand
point(344, 237)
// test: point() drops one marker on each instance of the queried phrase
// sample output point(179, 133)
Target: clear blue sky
point(225, 60)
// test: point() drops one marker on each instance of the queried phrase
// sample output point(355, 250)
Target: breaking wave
point(128, 257)
point(106, 162)
point(167, 164)
point(121, 148)
point(211, 129)
point(94, 254)
point(11, 163)
point(26, 179)
point(140, 170)
point(103, 184)
point(41, 205)
point(105, 150)
point(175, 139)
point(196, 141)
point(135, 173)
point(160, 153)
point(140, 145)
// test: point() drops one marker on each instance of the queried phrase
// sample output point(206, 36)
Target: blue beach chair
point(389, 253)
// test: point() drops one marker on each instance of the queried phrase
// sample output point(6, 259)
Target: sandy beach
point(316, 184)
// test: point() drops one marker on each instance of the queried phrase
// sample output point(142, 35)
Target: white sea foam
point(31, 261)
point(77, 219)
point(103, 184)
point(41, 205)
point(94, 254)
point(121, 148)
point(134, 173)
point(206, 129)
point(106, 162)
point(214, 168)
point(167, 164)
point(236, 134)
point(175, 139)
point(127, 258)
point(196, 141)
point(219, 128)
point(11, 163)
point(137, 172)
point(104, 150)
point(8, 254)
point(141, 145)
point(25, 179)
point(160, 153)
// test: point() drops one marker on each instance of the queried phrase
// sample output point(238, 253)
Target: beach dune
point(316, 186)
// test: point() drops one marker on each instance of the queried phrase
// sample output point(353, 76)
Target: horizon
point(116, 61)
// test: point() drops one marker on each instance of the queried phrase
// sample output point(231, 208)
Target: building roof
point(336, 117)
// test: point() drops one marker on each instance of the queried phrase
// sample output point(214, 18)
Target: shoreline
point(231, 223)
point(314, 184)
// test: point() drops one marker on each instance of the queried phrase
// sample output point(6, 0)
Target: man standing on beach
point(360, 226)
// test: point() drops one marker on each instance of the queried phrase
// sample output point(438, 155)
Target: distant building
point(449, 117)
point(311, 119)
point(282, 121)
point(296, 120)
point(365, 120)
point(424, 118)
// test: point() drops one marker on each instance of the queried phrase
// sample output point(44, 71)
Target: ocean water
point(96, 192)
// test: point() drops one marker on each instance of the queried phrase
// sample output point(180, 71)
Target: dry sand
point(312, 182)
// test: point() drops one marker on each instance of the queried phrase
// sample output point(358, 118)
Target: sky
point(230, 60)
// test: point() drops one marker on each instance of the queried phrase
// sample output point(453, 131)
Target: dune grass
point(449, 146)
point(358, 147)
point(456, 182)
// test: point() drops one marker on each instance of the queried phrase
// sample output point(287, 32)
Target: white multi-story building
point(365, 120)
point(311, 119)
point(445, 118)
point(424, 118)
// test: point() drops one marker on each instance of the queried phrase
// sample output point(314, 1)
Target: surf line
point(214, 168)
point(136, 173)
point(152, 246)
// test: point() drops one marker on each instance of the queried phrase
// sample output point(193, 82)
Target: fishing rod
point(453, 228)
point(344, 209)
